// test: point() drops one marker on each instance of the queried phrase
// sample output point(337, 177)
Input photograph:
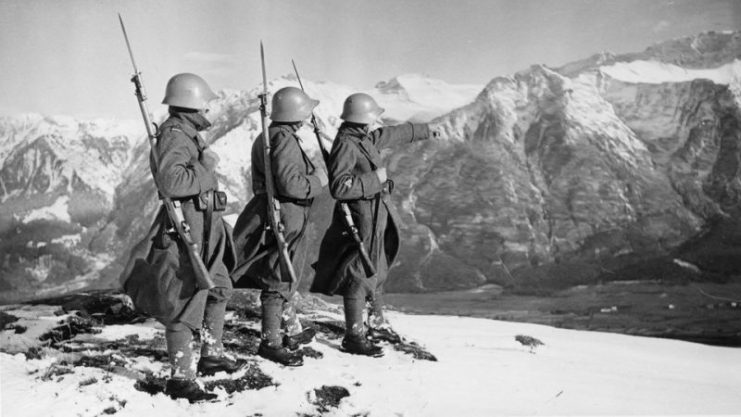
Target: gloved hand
point(209, 159)
point(381, 174)
point(435, 130)
point(322, 177)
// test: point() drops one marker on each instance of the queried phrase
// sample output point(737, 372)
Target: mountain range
point(566, 175)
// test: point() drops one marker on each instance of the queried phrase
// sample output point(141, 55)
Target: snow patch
point(146, 331)
point(37, 320)
point(57, 211)
point(685, 264)
point(653, 72)
point(68, 240)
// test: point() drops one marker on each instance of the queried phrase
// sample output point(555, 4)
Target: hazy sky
point(69, 57)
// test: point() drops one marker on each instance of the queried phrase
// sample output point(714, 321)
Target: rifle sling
point(207, 218)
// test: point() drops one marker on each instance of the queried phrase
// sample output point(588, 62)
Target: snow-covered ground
point(481, 371)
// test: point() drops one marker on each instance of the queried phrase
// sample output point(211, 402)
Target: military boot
point(384, 334)
point(359, 345)
point(209, 365)
point(355, 341)
point(188, 389)
point(271, 347)
point(380, 330)
point(280, 354)
point(295, 341)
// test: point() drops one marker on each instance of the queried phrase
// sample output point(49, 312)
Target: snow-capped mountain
point(417, 98)
point(705, 50)
point(47, 154)
point(548, 174)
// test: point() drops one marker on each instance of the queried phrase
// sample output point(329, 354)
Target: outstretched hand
point(435, 130)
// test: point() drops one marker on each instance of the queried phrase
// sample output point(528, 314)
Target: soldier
point(187, 175)
point(297, 182)
point(358, 178)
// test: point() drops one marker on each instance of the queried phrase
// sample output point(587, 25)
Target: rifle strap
point(374, 250)
point(207, 219)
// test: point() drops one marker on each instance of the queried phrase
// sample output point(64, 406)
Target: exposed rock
point(328, 397)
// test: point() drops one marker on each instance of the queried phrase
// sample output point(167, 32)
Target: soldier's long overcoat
point(258, 264)
point(352, 179)
point(159, 275)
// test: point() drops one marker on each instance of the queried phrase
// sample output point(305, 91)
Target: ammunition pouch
point(215, 200)
point(219, 201)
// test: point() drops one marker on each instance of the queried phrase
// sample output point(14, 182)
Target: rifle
point(370, 269)
point(173, 208)
point(273, 204)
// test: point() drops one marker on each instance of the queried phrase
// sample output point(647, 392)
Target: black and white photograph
point(370, 208)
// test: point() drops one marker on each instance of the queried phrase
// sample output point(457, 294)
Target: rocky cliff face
point(540, 171)
point(556, 174)
point(548, 175)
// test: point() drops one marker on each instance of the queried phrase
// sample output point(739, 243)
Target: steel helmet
point(291, 104)
point(360, 108)
point(188, 91)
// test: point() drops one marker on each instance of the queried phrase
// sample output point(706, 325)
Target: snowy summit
point(417, 98)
